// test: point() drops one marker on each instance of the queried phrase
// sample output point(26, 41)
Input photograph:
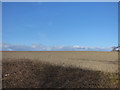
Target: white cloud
point(40, 47)
point(10, 49)
point(33, 46)
point(76, 46)
point(60, 47)
point(6, 46)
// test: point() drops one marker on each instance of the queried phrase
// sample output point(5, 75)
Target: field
point(58, 69)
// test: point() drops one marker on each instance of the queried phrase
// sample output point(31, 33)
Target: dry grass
point(25, 73)
point(92, 60)
point(73, 69)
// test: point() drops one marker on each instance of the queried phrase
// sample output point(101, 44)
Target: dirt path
point(100, 61)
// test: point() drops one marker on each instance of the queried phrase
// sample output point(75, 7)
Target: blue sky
point(91, 24)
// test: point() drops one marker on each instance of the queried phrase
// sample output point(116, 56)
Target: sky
point(119, 25)
point(59, 25)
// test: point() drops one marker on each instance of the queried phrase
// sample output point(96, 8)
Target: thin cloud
point(40, 47)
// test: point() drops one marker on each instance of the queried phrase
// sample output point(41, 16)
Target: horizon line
point(56, 51)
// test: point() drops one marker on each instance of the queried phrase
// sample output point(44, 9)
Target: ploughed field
point(91, 60)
